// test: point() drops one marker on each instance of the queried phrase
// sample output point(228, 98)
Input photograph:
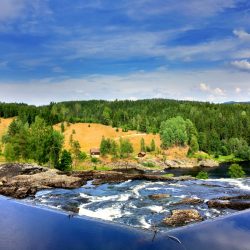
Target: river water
point(129, 203)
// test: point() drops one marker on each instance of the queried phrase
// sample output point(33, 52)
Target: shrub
point(236, 171)
point(95, 160)
point(148, 164)
point(202, 175)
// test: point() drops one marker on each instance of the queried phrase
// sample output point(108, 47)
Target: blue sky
point(54, 50)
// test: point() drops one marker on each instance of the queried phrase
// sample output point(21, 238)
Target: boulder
point(188, 201)
point(236, 203)
point(208, 163)
point(182, 217)
point(158, 196)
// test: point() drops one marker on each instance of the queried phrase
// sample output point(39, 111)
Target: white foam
point(109, 213)
point(177, 185)
point(155, 208)
point(235, 182)
point(144, 224)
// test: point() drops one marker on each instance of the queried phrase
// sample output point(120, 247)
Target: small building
point(95, 152)
point(141, 154)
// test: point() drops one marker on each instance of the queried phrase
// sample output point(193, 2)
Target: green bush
point(202, 175)
point(236, 171)
point(95, 160)
point(148, 164)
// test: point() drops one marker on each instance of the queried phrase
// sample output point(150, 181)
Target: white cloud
point(238, 90)
point(213, 91)
point(242, 64)
point(137, 85)
point(242, 34)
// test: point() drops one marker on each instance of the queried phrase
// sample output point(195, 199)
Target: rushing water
point(128, 203)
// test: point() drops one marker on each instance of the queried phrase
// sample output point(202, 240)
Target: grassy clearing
point(228, 158)
point(90, 135)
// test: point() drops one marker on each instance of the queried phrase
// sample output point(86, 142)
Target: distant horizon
point(89, 100)
point(57, 50)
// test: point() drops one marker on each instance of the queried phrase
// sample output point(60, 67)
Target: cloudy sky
point(54, 50)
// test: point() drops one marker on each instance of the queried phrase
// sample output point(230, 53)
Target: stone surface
point(240, 202)
point(182, 217)
point(208, 163)
point(188, 201)
point(159, 196)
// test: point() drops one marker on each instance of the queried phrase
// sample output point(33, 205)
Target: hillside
point(4, 124)
point(90, 135)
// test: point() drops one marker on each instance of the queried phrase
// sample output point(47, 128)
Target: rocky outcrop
point(22, 180)
point(188, 201)
point(207, 163)
point(240, 202)
point(179, 163)
point(158, 196)
point(182, 217)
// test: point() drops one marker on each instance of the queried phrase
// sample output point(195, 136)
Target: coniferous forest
point(222, 129)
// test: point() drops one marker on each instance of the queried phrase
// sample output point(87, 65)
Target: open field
point(90, 135)
point(4, 124)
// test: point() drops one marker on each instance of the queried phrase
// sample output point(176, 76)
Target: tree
point(236, 171)
point(194, 146)
point(126, 148)
point(173, 132)
point(143, 148)
point(62, 127)
point(66, 161)
point(105, 146)
point(152, 145)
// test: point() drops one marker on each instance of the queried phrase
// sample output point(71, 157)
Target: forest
point(218, 129)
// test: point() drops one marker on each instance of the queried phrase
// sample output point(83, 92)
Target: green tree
point(236, 171)
point(126, 148)
point(173, 132)
point(194, 146)
point(143, 148)
point(152, 145)
point(66, 161)
point(62, 127)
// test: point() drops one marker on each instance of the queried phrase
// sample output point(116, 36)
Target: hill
point(90, 135)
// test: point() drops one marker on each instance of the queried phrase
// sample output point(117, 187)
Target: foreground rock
point(182, 217)
point(188, 201)
point(22, 180)
point(240, 202)
point(158, 196)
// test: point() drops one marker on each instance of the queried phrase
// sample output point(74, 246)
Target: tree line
point(220, 129)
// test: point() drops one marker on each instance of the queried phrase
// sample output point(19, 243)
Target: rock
point(208, 163)
point(237, 202)
point(182, 217)
point(158, 196)
point(188, 201)
point(179, 163)
point(24, 180)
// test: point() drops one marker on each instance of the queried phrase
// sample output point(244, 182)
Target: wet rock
point(158, 196)
point(182, 217)
point(21, 180)
point(208, 163)
point(71, 208)
point(240, 202)
point(188, 201)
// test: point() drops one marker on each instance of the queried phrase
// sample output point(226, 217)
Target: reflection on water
point(129, 202)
